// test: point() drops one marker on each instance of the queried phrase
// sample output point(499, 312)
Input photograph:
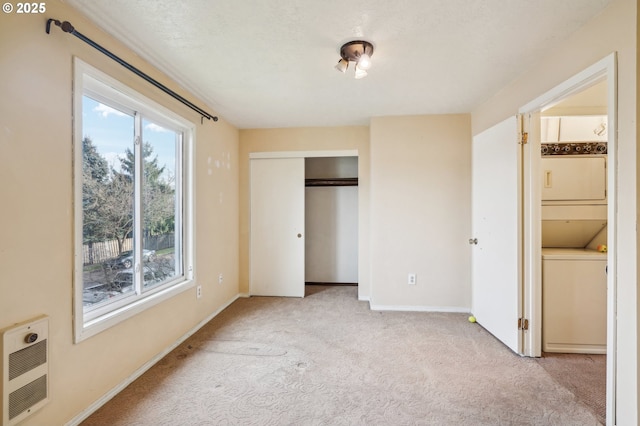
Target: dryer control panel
point(573, 148)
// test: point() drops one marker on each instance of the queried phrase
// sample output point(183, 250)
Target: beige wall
point(308, 139)
point(421, 212)
point(420, 206)
point(614, 30)
point(422, 226)
point(36, 222)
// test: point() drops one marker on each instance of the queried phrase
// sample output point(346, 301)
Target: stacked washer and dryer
point(574, 238)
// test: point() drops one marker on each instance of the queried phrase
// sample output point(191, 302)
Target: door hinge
point(524, 138)
point(523, 324)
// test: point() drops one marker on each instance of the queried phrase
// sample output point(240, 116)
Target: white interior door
point(496, 222)
point(277, 227)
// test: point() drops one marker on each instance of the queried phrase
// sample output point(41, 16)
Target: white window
point(132, 181)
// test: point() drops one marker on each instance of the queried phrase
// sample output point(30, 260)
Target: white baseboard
point(410, 308)
point(84, 414)
point(572, 348)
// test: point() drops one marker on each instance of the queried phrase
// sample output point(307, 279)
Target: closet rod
point(68, 28)
point(332, 182)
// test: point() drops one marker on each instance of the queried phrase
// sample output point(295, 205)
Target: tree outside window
point(129, 224)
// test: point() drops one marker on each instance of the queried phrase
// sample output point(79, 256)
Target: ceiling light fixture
point(357, 51)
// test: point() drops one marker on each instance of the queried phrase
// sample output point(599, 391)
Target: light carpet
point(584, 375)
point(327, 359)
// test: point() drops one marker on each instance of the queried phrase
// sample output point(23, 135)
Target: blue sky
point(112, 132)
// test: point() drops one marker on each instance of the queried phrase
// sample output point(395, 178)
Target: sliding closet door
point(277, 227)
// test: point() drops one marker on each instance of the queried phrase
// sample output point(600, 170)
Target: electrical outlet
point(220, 278)
point(198, 292)
point(411, 280)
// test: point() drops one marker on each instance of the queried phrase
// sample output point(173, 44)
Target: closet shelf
point(331, 182)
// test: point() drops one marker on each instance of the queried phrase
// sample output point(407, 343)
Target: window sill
point(96, 325)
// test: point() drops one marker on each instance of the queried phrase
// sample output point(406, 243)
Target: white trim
point(145, 367)
point(409, 308)
point(312, 154)
point(304, 154)
point(78, 309)
point(577, 83)
point(93, 80)
point(532, 241)
point(87, 79)
point(606, 68)
point(612, 236)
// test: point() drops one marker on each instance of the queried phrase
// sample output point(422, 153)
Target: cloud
point(155, 128)
point(106, 110)
point(113, 160)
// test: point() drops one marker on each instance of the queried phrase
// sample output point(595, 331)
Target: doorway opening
point(331, 220)
point(574, 244)
point(569, 230)
point(303, 202)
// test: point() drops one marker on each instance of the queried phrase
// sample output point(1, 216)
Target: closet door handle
point(547, 178)
point(299, 235)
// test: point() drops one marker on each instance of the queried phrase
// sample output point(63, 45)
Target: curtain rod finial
point(66, 27)
point(49, 21)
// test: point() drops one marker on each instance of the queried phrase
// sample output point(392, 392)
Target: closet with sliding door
point(331, 220)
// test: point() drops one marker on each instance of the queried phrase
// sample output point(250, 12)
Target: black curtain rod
point(68, 28)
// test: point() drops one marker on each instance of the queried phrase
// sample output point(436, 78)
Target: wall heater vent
point(25, 369)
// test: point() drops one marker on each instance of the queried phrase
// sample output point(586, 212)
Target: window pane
point(107, 202)
point(160, 204)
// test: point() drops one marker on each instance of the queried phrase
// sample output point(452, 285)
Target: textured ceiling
point(270, 63)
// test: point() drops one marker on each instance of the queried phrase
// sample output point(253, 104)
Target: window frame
point(99, 86)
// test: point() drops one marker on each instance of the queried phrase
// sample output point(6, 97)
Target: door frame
point(303, 155)
point(605, 69)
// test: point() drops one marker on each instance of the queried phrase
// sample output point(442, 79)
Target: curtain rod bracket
point(65, 26)
point(68, 28)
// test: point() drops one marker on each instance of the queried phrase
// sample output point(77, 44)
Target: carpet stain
point(234, 347)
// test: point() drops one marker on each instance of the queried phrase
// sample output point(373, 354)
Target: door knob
point(473, 241)
point(299, 235)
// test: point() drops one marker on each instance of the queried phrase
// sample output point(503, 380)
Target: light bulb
point(364, 62)
point(360, 73)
